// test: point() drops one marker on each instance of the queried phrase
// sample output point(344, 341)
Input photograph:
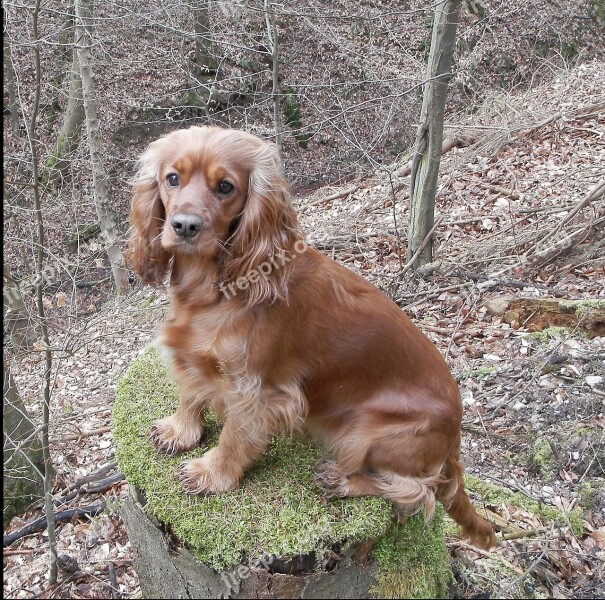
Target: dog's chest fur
point(208, 341)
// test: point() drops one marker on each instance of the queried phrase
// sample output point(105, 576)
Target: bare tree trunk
point(22, 455)
point(17, 319)
point(205, 65)
point(105, 213)
point(429, 137)
point(40, 256)
point(11, 80)
point(272, 37)
point(57, 164)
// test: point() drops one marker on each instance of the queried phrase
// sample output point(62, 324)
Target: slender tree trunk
point(429, 137)
point(205, 65)
point(22, 455)
point(11, 80)
point(40, 257)
point(57, 164)
point(273, 47)
point(105, 213)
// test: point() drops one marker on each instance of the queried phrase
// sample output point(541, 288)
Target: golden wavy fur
point(272, 334)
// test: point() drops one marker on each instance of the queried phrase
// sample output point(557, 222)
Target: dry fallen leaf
point(598, 535)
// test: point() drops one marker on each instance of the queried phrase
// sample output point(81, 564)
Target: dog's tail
point(458, 505)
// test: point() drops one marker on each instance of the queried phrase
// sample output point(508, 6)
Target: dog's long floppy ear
point(145, 253)
point(263, 247)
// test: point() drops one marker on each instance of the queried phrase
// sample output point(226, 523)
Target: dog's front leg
point(222, 467)
point(181, 431)
point(185, 429)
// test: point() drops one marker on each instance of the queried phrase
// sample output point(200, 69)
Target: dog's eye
point(172, 180)
point(224, 187)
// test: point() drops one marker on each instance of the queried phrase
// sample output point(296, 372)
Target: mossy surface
point(550, 333)
point(494, 494)
point(409, 569)
point(293, 117)
point(542, 457)
point(21, 485)
point(278, 509)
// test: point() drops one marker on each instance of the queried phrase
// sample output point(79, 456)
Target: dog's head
point(217, 194)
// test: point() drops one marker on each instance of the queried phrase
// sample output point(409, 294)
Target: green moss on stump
point(278, 509)
point(413, 560)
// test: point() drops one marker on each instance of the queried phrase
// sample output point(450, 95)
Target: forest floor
point(532, 381)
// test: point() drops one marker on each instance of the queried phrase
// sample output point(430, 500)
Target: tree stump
point(277, 536)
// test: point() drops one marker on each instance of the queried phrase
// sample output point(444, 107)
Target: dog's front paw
point(329, 476)
point(201, 476)
point(172, 436)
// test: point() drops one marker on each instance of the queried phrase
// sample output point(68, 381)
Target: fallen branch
point(520, 130)
point(433, 329)
point(92, 488)
point(502, 592)
point(587, 111)
point(335, 196)
point(11, 552)
point(516, 535)
point(492, 555)
point(103, 485)
point(113, 581)
point(489, 282)
point(448, 144)
point(493, 188)
point(594, 194)
point(566, 243)
point(93, 476)
point(82, 434)
point(87, 284)
point(40, 524)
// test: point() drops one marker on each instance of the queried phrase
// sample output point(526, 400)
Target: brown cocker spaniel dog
point(272, 334)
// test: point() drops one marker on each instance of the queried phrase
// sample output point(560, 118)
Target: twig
point(594, 456)
point(335, 196)
point(104, 484)
point(494, 188)
point(13, 552)
point(113, 582)
point(515, 283)
point(517, 535)
point(501, 593)
point(596, 192)
point(439, 330)
point(462, 221)
point(514, 486)
point(587, 111)
point(92, 488)
point(92, 476)
point(428, 294)
point(61, 517)
point(77, 436)
point(486, 554)
point(567, 242)
point(523, 211)
point(87, 284)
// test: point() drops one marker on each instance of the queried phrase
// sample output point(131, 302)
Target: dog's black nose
point(187, 226)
